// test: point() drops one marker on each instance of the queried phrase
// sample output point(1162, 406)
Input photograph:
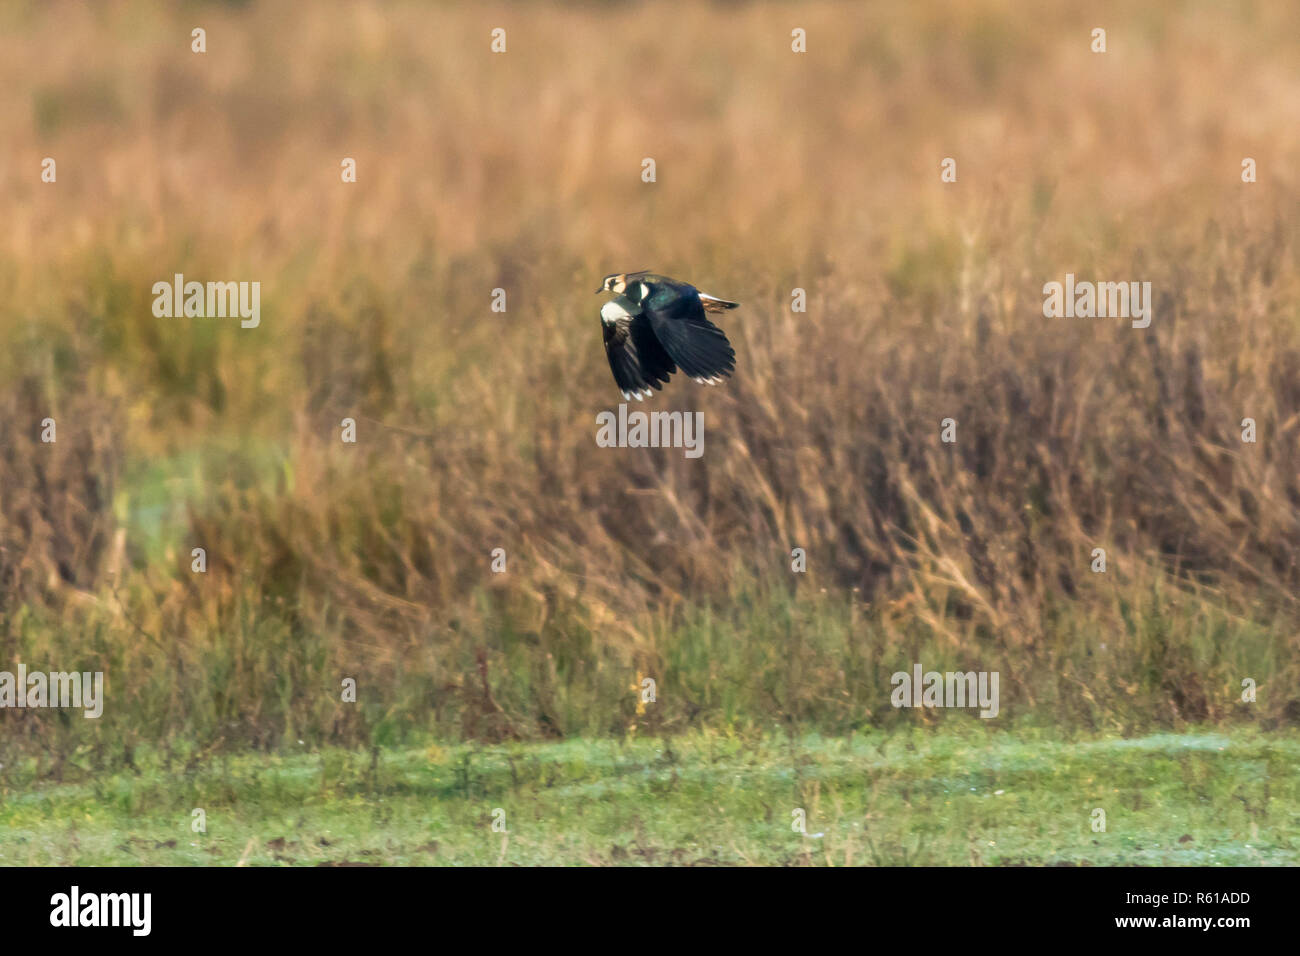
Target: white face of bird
point(620, 282)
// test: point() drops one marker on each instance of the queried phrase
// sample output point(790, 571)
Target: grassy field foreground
point(954, 797)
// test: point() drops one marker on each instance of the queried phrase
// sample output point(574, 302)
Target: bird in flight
point(655, 325)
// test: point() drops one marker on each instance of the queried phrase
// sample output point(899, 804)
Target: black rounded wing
point(636, 357)
point(676, 314)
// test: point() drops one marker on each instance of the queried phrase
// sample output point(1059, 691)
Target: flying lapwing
point(655, 325)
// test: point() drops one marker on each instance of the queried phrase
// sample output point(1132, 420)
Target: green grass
point(955, 796)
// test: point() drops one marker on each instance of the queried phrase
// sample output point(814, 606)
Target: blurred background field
point(476, 429)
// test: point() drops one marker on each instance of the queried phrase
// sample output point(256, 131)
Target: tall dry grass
point(521, 171)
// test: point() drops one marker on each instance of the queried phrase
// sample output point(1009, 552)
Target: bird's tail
point(714, 304)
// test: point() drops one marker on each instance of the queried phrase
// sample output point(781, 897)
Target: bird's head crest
point(617, 282)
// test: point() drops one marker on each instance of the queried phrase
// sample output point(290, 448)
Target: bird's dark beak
point(600, 290)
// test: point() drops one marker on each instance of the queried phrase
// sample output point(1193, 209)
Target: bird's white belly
point(617, 309)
